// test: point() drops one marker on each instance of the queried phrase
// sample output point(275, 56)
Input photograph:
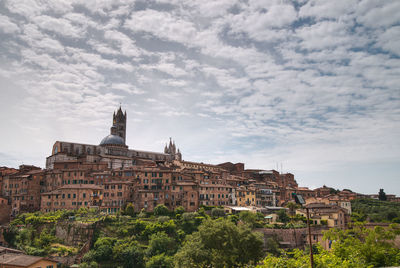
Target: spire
point(166, 149)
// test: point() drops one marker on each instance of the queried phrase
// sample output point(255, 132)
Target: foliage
point(129, 210)
point(356, 247)
point(282, 216)
point(249, 218)
point(382, 195)
point(374, 210)
point(217, 212)
point(220, 243)
point(272, 245)
point(160, 243)
point(160, 261)
point(292, 208)
point(161, 210)
point(179, 211)
point(129, 254)
point(190, 221)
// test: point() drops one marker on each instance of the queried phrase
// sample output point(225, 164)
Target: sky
point(307, 87)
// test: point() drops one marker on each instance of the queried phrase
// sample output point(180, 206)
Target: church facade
point(111, 151)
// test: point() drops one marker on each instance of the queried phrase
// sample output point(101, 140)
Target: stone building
point(111, 151)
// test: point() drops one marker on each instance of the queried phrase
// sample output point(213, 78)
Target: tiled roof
point(18, 259)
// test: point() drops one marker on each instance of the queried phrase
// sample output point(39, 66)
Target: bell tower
point(119, 124)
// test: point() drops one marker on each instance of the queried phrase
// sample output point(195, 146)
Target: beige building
point(324, 214)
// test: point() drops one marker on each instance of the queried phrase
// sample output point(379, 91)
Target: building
point(72, 197)
point(16, 260)
point(111, 151)
point(325, 214)
point(332, 199)
point(110, 175)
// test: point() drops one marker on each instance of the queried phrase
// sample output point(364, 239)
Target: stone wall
point(288, 238)
point(5, 212)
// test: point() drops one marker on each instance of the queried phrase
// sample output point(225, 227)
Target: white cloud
point(390, 40)
point(253, 81)
point(7, 26)
point(128, 88)
point(162, 25)
point(59, 26)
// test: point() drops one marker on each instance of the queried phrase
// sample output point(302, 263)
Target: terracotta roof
point(9, 250)
point(74, 186)
point(18, 259)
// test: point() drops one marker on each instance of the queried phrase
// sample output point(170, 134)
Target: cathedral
point(112, 149)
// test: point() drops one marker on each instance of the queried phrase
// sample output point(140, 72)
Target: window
point(69, 195)
point(84, 195)
point(74, 196)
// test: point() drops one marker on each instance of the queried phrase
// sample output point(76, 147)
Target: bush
point(160, 261)
point(217, 212)
point(161, 210)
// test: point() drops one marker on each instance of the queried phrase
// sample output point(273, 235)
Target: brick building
point(72, 197)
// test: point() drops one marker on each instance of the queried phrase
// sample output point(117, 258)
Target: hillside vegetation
point(375, 210)
point(190, 239)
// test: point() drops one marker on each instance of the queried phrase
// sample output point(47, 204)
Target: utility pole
point(300, 200)
point(309, 238)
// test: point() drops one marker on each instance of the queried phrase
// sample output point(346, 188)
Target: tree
point(161, 243)
point(249, 218)
point(220, 243)
point(103, 249)
point(179, 210)
point(382, 195)
point(160, 261)
point(217, 212)
point(129, 210)
point(292, 208)
point(356, 247)
point(282, 216)
point(129, 254)
point(161, 210)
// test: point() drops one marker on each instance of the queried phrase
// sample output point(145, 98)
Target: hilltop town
point(98, 181)
point(108, 176)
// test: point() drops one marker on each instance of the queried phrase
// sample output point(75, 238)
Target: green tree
point(161, 210)
point(249, 218)
point(103, 249)
point(161, 243)
point(179, 211)
point(220, 243)
point(217, 212)
point(382, 195)
point(129, 254)
point(129, 210)
point(282, 216)
point(160, 261)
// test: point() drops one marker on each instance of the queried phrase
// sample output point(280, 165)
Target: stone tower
point(119, 124)
point(171, 149)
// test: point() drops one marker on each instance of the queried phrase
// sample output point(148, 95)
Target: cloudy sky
point(308, 87)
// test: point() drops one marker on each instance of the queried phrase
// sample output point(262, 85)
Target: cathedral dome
point(112, 140)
